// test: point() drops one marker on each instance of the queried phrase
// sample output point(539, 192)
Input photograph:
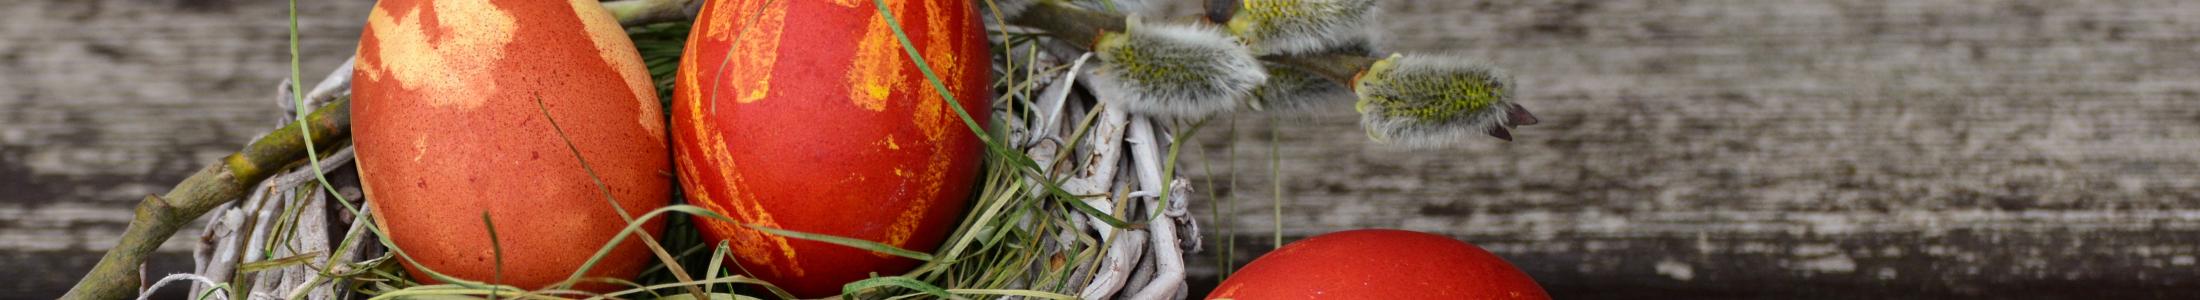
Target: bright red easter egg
point(447, 127)
point(1378, 264)
point(810, 116)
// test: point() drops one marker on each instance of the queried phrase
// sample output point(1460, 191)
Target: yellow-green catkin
point(1422, 98)
point(1304, 26)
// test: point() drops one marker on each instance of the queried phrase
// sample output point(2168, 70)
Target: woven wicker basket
point(275, 242)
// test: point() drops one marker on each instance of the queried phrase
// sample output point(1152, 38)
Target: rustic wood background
point(1710, 148)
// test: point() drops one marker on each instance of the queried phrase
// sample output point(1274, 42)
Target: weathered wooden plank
point(103, 102)
point(1782, 148)
point(1709, 148)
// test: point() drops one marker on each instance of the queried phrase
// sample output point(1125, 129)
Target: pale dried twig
point(1146, 153)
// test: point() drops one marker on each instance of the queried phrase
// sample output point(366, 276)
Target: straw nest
point(1084, 203)
point(1080, 198)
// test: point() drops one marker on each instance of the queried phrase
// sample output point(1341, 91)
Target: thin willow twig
point(1168, 256)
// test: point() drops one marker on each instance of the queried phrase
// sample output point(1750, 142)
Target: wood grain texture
point(1786, 148)
point(103, 102)
point(1712, 148)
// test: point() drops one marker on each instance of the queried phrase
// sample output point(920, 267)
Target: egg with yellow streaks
point(810, 116)
point(447, 128)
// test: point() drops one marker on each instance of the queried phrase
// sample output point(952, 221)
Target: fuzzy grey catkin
point(1305, 26)
point(1173, 70)
point(1430, 99)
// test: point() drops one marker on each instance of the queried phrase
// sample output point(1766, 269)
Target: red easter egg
point(447, 128)
point(1378, 264)
point(809, 116)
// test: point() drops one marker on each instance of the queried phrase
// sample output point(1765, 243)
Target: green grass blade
point(1275, 173)
point(717, 260)
point(854, 288)
point(846, 241)
point(496, 249)
point(634, 227)
point(713, 281)
point(1168, 166)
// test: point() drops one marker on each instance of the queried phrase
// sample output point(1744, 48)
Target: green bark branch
point(1078, 26)
point(1082, 27)
point(1341, 68)
point(158, 217)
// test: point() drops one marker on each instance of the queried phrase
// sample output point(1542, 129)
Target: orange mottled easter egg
point(810, 116)
point(1379, 264)
point(447, 128)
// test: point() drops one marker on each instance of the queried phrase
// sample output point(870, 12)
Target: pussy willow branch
point(1082, 27)
point(1336, 67)
point(224, 241)
point(1076, 25)
point(158, 217)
